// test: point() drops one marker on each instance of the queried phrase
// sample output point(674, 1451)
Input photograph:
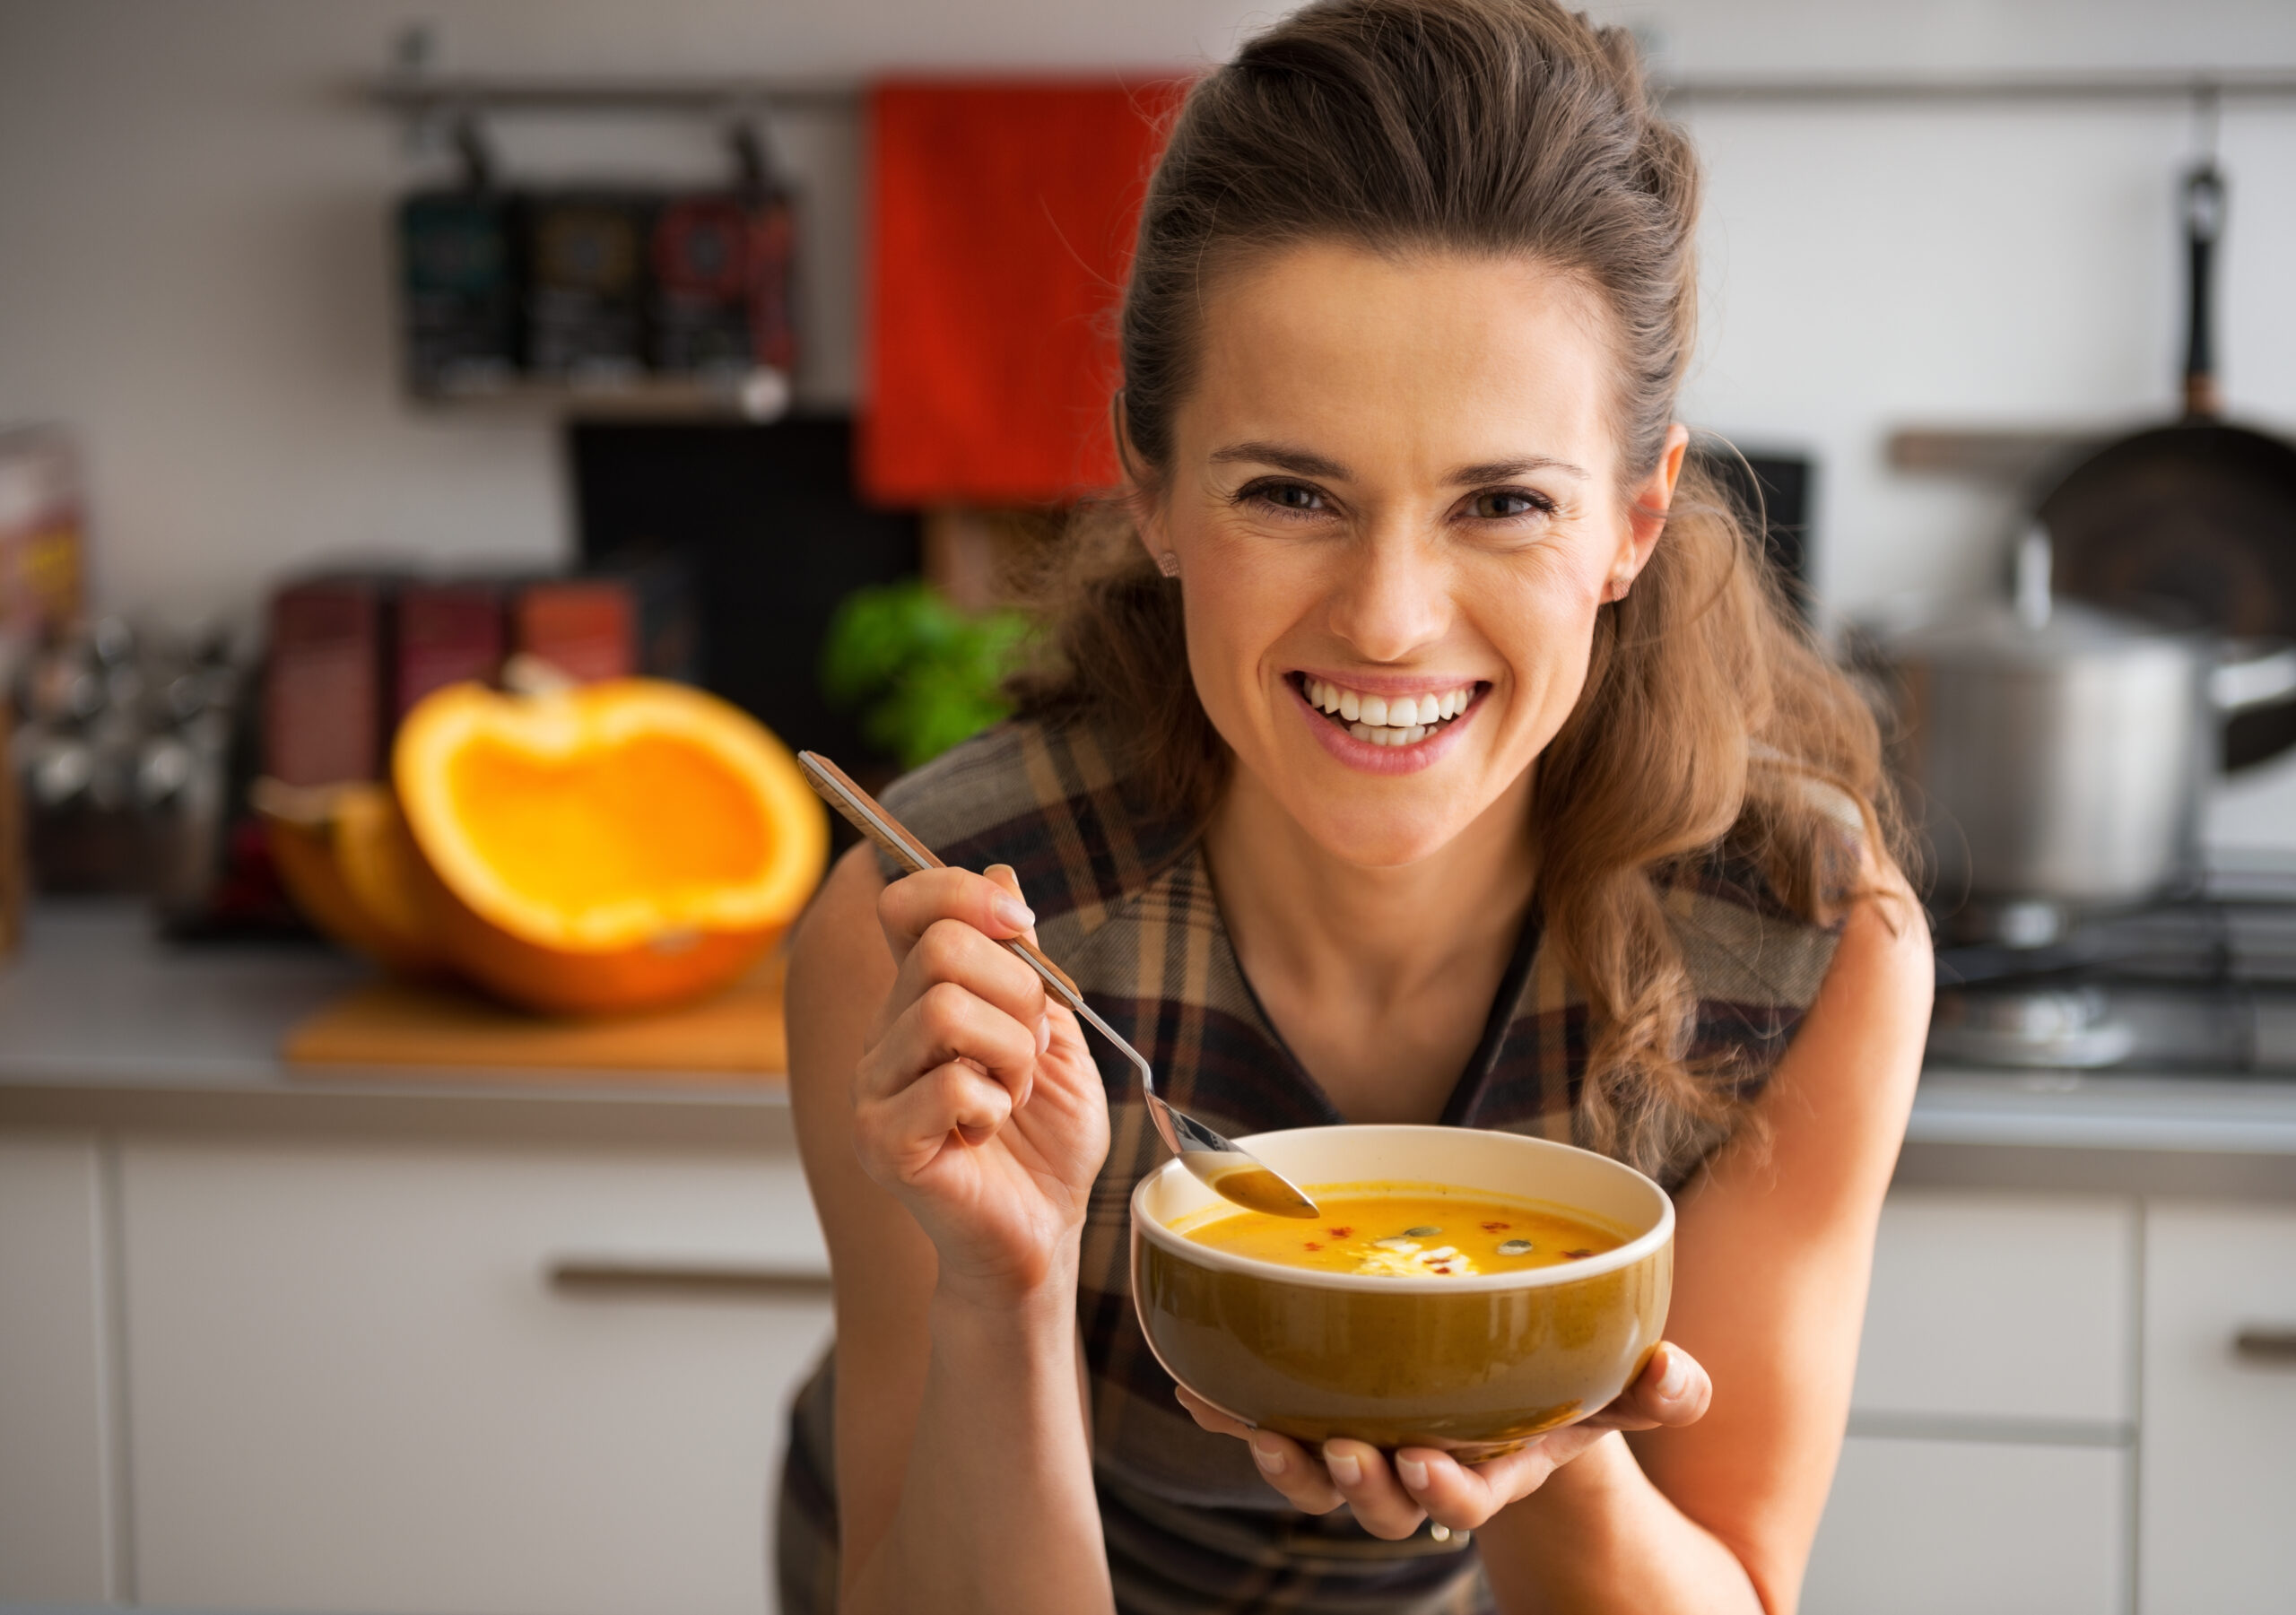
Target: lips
point(1381, 732)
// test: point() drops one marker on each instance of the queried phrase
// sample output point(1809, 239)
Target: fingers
point(948, 1022)
point(953, 951)
point(1284, 1463)
point(1465, 1497)
point(898, 1138)
point(908, 908)
point(1009, 878)
point(1673, 1389)
point(1365, 1478)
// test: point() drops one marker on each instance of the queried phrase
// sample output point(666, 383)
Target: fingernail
point(1044, 1033)
point(1270, 1458)
point(1013, 912)
point(1414, 1473)
point(1346, 1469)
point(1675, 1380)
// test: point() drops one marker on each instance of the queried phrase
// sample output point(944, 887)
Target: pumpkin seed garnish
point(1421, 1233)
point(1515, 1248)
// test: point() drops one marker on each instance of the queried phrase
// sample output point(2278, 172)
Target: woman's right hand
point(976, 1103)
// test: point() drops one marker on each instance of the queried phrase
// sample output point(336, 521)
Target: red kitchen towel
point(1001, 222)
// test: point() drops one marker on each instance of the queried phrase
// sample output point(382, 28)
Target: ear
point(1645, 515)
point(1147, 510)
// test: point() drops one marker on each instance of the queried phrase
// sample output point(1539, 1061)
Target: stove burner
point(2207, 983)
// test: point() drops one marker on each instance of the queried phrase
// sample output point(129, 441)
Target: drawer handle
point(582, 1276)
point(2262, 1343)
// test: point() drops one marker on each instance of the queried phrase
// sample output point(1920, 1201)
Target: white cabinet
point(2218, 1504)
point(1992, 1426)
point(355, 1386)
point(2019, 1309)
point(1923, 1526)
point(56, 1526)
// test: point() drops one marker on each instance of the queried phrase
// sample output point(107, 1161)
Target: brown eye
point(1500, 504)
point(1290, 496)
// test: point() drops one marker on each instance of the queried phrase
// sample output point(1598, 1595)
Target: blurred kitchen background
point(351, 351)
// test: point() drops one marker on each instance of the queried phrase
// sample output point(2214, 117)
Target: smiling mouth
point(1387, 720)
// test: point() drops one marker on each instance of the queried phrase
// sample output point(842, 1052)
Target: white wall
point(193, 265)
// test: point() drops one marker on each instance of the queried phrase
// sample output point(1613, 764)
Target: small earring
point(1169, 564)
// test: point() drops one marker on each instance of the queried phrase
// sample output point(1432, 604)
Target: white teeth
point(1400, 720)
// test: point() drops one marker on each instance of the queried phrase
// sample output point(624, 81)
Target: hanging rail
point(420, 95)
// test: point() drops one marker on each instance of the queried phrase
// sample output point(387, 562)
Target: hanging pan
point(2192, 523)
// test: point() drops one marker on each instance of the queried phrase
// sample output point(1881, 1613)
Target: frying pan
point(2192, 522)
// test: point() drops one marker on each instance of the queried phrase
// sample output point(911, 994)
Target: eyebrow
point(1302, 463)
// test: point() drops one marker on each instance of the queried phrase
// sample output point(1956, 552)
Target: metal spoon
point(1229, 1172)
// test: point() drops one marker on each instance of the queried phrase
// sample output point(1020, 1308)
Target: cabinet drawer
point(56, 1543)
point(356, 1386)
point(2219, 1498)
point(2002, 1307)
point(1973, 1527)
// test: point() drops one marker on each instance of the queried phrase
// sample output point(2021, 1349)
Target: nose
point(1392, 597)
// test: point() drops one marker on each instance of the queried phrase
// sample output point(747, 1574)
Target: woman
point(1423, 744)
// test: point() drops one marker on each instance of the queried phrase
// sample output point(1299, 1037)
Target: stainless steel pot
point(2054, 754)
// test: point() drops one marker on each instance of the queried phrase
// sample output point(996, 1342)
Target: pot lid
point(2036, 629)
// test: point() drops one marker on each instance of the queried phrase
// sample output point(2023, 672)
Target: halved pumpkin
point(605, 847)
point(346, 857)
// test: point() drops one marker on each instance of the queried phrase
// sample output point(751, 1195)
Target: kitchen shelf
point(2016, 456)
point(432, 94)
point(640, 398)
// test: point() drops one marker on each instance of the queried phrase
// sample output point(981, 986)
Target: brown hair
point(1514, 128)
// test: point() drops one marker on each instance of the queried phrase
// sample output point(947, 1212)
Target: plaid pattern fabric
point(1124, 903)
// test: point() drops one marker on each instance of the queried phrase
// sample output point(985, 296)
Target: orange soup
point(1405, 1230)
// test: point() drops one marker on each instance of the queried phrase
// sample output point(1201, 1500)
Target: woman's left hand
point(1393, 1499)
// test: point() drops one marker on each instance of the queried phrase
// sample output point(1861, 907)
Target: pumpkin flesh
point(626, 843)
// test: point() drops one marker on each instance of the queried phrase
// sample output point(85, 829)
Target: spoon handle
point(866, 814)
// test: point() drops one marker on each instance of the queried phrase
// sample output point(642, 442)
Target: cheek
point(1542, 624)
point(1239, 599)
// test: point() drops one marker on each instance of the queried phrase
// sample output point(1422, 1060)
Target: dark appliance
point(1771, 493)
point(766, 521)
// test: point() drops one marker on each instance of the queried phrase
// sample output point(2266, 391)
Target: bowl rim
point(1638, 1249)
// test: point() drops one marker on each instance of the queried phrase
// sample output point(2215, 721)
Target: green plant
point(925, 674)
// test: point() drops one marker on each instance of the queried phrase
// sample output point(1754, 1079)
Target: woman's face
point(1396, 485)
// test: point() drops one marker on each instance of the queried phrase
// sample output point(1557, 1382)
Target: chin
point(1387, 836)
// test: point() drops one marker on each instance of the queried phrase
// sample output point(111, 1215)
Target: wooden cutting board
point(440, 1030)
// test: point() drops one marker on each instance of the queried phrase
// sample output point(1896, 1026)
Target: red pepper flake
point(1311, 1245)
point(1493, 1228)
point(1578, 1255)
point(1341, 1233)
point(1442, 1270)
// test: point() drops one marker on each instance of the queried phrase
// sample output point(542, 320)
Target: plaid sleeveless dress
point(1124, 904)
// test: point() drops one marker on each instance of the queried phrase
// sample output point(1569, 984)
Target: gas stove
point(2204, 981)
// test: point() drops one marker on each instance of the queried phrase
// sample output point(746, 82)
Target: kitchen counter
point(103, 1026)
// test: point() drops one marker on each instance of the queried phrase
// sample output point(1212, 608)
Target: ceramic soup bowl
point(1470, 1365)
